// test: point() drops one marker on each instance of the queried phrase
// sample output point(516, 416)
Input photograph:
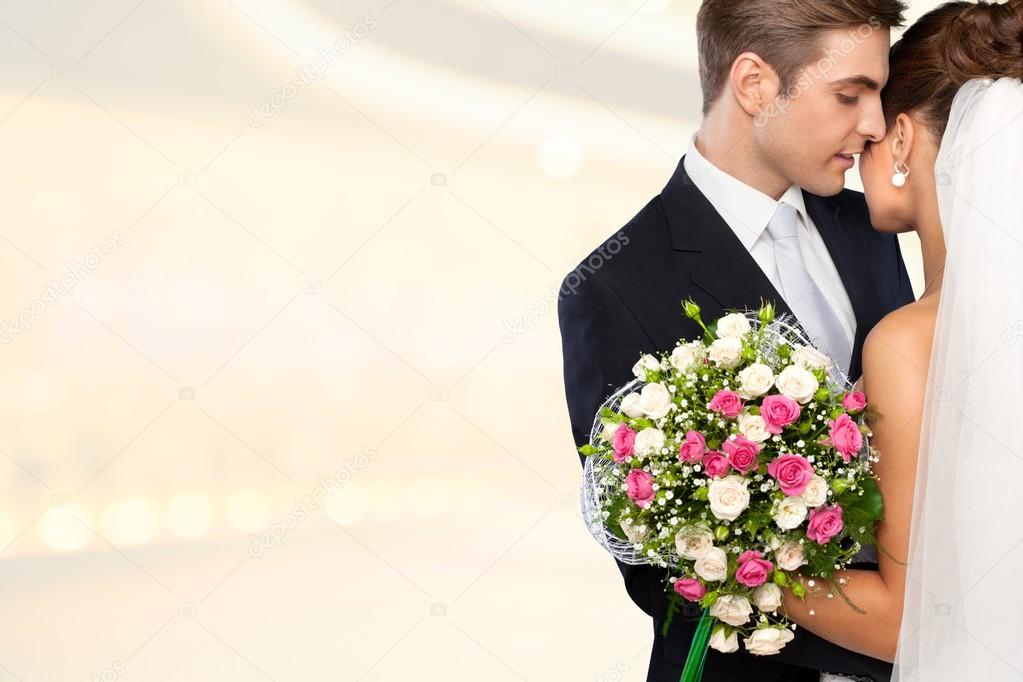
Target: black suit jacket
point(625, 298)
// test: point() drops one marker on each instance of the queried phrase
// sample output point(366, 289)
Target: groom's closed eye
point(847, 99)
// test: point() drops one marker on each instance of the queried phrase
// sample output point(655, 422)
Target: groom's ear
point(903, 135)
point(753, 82)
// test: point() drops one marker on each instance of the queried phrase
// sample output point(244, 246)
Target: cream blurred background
point(264, 414)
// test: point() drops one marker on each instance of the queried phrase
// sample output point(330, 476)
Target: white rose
point(754, 427)
point(789, 556)
point(797, 383)
point(608, 433)
point(791, 512)
point(733, 326)
point(726, 353)
point(767, 597)
point(811, 358)
point(647, 362)
point(755, 380)
point(725, 645)
point(655, 400)
point(768, 641)
point(816, 492)
point(713, 565)
point(728, 497)
point(682, 358)
point(693, 542)
point(733, 609)
point(635, 532)
point(649, 441)
point(630, 406)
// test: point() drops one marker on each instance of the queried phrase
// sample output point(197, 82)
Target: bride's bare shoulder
point(899, 346)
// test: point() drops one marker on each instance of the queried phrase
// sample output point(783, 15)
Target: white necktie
point(801, 293)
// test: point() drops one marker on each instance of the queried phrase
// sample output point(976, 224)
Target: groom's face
point(811, 132)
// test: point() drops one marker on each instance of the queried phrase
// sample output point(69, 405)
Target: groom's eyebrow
point(865, 81)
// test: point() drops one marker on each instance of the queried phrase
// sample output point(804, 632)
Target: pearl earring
point(899, 178)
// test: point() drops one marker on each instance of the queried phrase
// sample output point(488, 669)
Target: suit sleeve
point(601, 341)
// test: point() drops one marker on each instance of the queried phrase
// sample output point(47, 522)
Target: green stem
point(693, 671)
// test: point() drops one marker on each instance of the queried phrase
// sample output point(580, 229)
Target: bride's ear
point(904, 133)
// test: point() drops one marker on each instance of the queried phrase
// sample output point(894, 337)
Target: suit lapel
point(724, 269)
point(852, 260)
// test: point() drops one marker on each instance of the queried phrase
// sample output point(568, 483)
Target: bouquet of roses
point(736, 461)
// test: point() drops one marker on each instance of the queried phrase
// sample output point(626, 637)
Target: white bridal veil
point(963, 617)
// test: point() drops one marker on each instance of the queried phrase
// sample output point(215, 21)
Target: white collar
point(746, 209)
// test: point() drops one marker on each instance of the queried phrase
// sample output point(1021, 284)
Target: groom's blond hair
point(784, 33)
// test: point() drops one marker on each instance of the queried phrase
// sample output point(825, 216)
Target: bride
point(946, 602)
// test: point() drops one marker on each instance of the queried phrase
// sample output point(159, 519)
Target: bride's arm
point(895, 361)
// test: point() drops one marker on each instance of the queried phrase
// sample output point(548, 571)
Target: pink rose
point(753, 570)
point(792, 472)
point(845, 436)
point(692, 449)
point(778, 412)
point(623, 443)
point(690, 588)
point(716, 464)
point(742, 453)
point(639, 486)
point(825, 523)
point(854, 401)
point(727, 403)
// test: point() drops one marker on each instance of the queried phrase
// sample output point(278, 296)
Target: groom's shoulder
point(851, 206)
point(622, 254)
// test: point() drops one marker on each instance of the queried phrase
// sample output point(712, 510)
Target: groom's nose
point(871, 126)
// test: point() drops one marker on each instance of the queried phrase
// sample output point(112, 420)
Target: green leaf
point(614, 519)
point(588, 450)
point(862, 509)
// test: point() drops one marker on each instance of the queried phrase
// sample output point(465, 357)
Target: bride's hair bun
point(985, 41)
point(950, 45)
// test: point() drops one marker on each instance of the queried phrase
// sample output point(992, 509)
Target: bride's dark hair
point(946, 47)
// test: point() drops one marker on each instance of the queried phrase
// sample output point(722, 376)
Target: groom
point(755, 210)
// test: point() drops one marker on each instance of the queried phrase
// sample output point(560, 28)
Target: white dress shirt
point(748, 211)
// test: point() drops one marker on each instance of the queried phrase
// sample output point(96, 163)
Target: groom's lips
point(845, 159)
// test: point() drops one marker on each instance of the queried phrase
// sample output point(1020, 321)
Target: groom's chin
point(827, 183)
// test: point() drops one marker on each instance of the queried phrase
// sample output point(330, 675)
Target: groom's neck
point(727, 142)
